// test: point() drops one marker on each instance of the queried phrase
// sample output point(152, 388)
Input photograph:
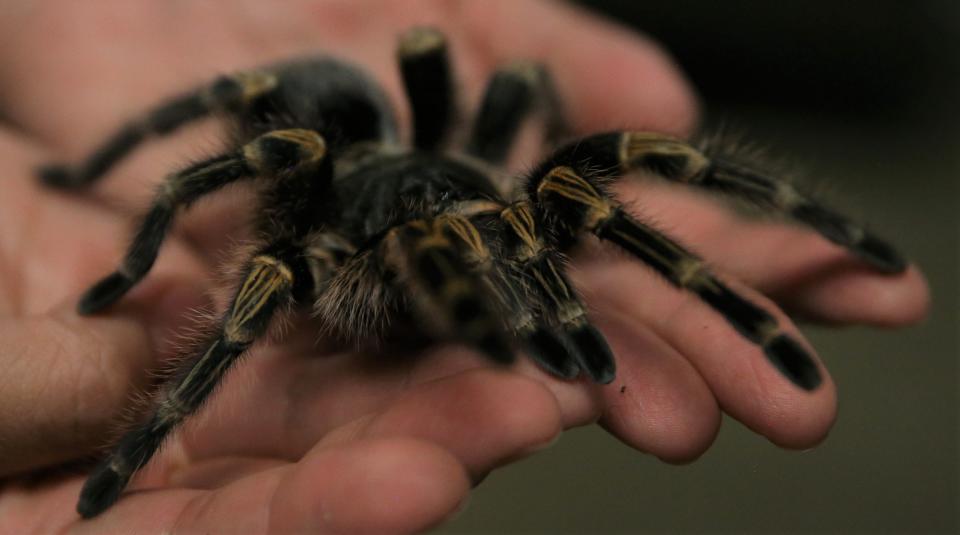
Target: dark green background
point(863, 97)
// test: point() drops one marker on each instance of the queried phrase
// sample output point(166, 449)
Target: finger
point(377, 486)
point(65, 377)
point(396, 485)
point(744, 382)
point(486, 418)
point(371, 486)
point(658, 403)
point(313, 396)
point(804, 272)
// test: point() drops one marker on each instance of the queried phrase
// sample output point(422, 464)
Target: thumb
point(62, 381)
point(64, 378)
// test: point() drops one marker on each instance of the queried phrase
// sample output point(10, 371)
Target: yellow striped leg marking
point(564, 181)
point(636, 145)
point(267, 277)
point(520, 218)
point(313, 147)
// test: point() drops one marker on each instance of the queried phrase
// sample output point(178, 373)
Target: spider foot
point(101, 489)
point(793, 362)
point(880, 254)
point(104, 293)
point(58, 176)
point(553, 353)
point(594, 354)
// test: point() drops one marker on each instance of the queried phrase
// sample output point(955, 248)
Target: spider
point(369, 232)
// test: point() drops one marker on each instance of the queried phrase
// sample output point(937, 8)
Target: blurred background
point(862, 95)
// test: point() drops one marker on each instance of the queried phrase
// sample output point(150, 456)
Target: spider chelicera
point(366, 230)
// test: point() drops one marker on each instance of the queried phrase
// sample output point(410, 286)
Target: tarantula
point(369, 231)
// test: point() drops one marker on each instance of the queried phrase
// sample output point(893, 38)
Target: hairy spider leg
point(578, 345)
point(432, 259)
point(228, 93)
point(527, 319)
point(505, 280)
point(515, 91)
point(678, 161)
point(572, 203)
point(268, 284)
point(324, 253)
point(428, 81)
point(275, 154)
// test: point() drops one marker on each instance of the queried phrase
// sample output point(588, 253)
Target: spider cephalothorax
point(366, 231)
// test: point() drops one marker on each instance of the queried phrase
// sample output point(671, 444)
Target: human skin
point(348, 442)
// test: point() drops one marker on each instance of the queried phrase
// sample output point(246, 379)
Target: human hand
point(292, 442)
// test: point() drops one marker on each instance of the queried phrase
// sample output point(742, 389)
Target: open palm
point(296, 441)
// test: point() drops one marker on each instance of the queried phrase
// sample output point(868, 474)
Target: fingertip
point(643, 87)
point(658, 403)
point(610, 76)
point(484, 417)
point(791, 413)
point(395, 485)
point(683, 439)
point(677, 437)
point(793, 361)
point(798, 422)
point(792, 404)
point(851, 294)
point(526, 411)
point(906, 302)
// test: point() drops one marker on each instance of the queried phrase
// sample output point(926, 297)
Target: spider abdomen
point(334, 98)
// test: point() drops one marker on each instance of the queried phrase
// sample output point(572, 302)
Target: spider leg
point(274, 153)
point(505, 286)
point(267, 284)
point(546, 346)
point(325, 252)
point(513, 93)
point(550, 349)
point(573, 204)
point(431, 257)
point(678, 161)
point(227, 93)
point(578, 345)
point(427, 78)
